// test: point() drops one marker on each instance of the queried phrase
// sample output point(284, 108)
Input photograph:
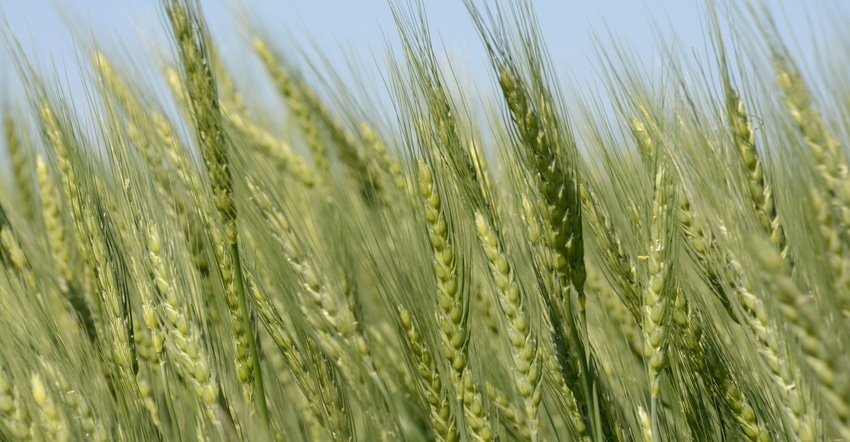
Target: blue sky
point(360, 28)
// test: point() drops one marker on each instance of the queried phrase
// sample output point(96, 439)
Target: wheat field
point(665, 257)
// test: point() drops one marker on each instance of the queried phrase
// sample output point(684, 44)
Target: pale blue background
point(361, 29)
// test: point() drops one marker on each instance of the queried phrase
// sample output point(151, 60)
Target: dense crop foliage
point(667, 260)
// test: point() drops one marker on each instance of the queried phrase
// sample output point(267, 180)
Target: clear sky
point(360, 28)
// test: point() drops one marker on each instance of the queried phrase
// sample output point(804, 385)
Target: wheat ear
point(93, 428)
point(348, 147)
point(21, 167)
point(12, 251)
point(561, 246)
point(475, 414)
point(823, 352)
point(298, 365)
point(510, 415)
point(453, 307)
point(621, 315)
point(13, 409)
point(189, 33)
point(183, 338)
point(429, 382)
point(761, 194)
point(53, 420)
point(523, 339)
point(234, 109)
point(387, 165)
point(625, 270)
point(658, 284)
point(333, 400)
point(692, 342)
point(327, 310)
point(306, 120)
point(288, 161)
point(785, 369)
point(88, 302)
point(50, 214)
point(555, 376)
point(833, 205)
